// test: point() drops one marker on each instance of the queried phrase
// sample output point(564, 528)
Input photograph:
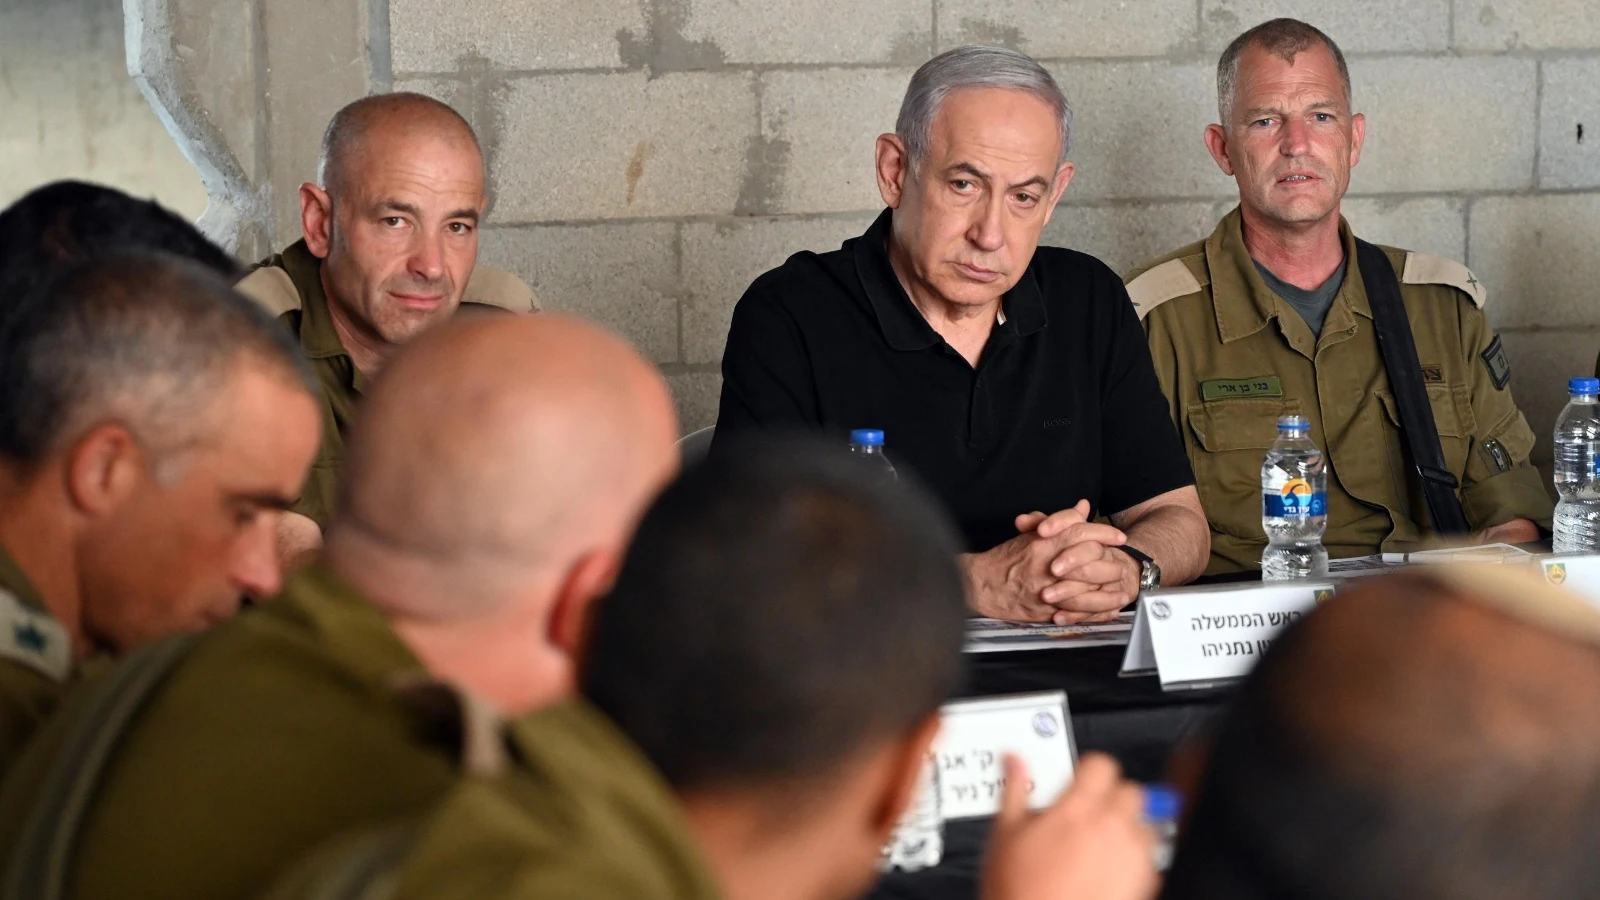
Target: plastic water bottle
point(868, 444)
point(918, 839)
point(1161, 807)
point(1294, 504)
point(1577, 521)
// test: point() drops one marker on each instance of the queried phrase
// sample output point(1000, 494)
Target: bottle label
point(1294, 500)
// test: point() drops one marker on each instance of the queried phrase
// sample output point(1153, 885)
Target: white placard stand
point(1204, 636)
point(976, 734)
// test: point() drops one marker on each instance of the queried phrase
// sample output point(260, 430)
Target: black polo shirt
point(1063, 405)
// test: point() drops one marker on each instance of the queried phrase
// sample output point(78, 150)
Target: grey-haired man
point(1013, 380)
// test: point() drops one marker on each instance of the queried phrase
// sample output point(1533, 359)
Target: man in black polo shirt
point(1017, 384)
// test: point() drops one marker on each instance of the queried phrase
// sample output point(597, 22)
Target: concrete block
point(1526, 24)
point(1536, 255)
point(577, 147)
point(697, 395)
point(1138, 129)
point(449, 35)
point(1126, 236)
point(1445, 124)
point(1051, 29)
point(1434, 225)
point(720, 260)
point(1357, 26)
point(801, 31)
point(1569, 124)
point(1541, 363)
point(315, 65)
point(622, 275)
point(818, 130)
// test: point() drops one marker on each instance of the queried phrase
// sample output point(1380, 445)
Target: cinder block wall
point(650, 157)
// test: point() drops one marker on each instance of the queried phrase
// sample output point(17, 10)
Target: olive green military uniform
point(35, 660)
point(1232, 357)
point(289, 285)
point(581, 814)
point(279, 729)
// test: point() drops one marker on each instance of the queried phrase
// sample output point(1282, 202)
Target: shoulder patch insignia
point(32, 638)
point(1494, 359)
point(1165, 282)
point(272, 288)
point(1421, 268)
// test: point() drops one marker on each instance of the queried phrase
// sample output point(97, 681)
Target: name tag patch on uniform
point(1232, 388)
point(1432, 374)
point(1494, 359)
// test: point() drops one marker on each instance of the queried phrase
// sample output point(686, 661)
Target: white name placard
point(974, 737)
point(1194, 637)
point(1577, 572)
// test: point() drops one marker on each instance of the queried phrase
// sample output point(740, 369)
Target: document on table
point(996, 635)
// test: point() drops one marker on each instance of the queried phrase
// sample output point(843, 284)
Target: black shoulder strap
point(1399, 349)
point(43, 855)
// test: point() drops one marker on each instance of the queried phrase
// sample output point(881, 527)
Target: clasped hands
point(1060, 568)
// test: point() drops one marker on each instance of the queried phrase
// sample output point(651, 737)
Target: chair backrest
point(694, 446)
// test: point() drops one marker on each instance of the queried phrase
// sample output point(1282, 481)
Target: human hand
point(1092, 843)
point(1009, 581)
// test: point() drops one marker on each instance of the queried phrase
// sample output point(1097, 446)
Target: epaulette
point(274, 290)
point(1165, 282)
point(32, 638)
point(1423, 268)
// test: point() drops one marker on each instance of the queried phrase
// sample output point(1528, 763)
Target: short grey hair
point(349, 127)
point(1284, 38)
point(974, 67)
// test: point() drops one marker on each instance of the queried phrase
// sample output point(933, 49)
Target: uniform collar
point(1240, 297)
point(318, 338)
point(902, 324)
point(14, 581)
point(358, 632)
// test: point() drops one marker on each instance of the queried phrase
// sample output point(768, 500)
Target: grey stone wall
point(649, 157)
point(71, 111)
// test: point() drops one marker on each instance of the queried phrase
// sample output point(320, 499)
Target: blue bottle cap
point(871, 437)
point(1584, 386)
point(1161, 803)
point(1294, 423)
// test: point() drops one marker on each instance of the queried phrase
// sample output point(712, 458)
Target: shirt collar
point(1240, 297)
point(318, 338)
point(16, 582)
point(902, 323)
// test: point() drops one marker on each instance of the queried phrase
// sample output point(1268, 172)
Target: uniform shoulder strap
point(1170, 280)
point(271, 288)
point(1422, 268)
point(497, 287)
point(43, 855)
point(33, 638)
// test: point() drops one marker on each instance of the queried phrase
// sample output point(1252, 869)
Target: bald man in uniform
point(1430, 736)
point(390, 250)
point(497, 473)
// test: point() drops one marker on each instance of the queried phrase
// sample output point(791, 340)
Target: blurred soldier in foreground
point(760, 692)
point(1427, 736)
point(390, 250)
point(153, 426)
point(498, 471)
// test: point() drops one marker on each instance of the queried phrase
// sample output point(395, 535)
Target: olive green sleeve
point(1499, 484)
point(1163, 355)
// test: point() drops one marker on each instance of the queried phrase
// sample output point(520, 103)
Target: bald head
point(497, 450)
point(1421, 736)
point(386, 121)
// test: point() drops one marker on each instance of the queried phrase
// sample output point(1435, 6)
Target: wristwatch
point(1149, 572)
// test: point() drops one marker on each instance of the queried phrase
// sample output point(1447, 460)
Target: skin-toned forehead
point(1006, 125)
point(1308, 76)
point(373, 136)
